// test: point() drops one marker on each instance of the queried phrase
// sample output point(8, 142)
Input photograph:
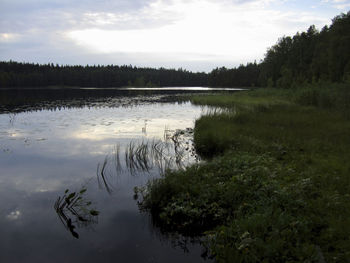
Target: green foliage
point(243, 76)
point(309, 56)
point(279, 189)
point(326, 96)
point(248, 100)
point(304, 58)
point(270, 83)
point(139, 82)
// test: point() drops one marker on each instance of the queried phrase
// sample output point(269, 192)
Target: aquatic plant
point(101, 173)
point(148, 156)
point(75, 211)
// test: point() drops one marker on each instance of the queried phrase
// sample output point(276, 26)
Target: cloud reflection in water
point(35, 173)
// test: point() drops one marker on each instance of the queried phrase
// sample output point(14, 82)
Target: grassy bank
point(275, 187)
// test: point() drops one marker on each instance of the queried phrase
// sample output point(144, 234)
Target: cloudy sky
point(197, 35)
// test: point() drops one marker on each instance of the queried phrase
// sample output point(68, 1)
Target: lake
point(69, 163)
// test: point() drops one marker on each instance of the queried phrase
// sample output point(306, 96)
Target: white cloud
point(202, 28)
point(149, 32)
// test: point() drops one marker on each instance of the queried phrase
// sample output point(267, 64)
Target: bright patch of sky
point(194, 34)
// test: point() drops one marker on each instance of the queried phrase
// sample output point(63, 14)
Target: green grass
point(275, 187)
point(241, 100)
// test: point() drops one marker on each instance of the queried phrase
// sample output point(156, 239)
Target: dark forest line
point(15, 74)
point(309, 57)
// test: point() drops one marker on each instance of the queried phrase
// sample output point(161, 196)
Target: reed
point(146, 156)
point(101, 173)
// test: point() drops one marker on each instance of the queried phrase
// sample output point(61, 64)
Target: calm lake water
point(81, 144)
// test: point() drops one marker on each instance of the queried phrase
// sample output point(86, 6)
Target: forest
point(14, 74)
point(310, 57)
point(306, 58)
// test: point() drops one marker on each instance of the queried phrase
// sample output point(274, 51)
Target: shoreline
point(275, 186)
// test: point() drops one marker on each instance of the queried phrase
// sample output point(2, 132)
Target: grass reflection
point(74, 210)
point(148, 156)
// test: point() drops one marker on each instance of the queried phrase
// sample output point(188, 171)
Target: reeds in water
point(148, 156)
point(74, 210)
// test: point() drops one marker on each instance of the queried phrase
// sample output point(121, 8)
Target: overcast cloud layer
point(194, 34)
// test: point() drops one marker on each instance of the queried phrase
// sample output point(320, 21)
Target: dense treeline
point(243, 76)
point(14, 74)
point(307, 57)
point(310, 57)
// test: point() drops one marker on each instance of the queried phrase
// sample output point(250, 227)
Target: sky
point(197, 35)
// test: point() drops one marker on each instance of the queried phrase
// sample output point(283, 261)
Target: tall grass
point(147, 156)
point(329, 96)
point(334, 97)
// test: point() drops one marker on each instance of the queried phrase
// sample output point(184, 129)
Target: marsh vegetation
point(175, 152)
point(275, 186)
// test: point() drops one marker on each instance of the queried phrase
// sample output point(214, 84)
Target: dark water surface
point(75, 144)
